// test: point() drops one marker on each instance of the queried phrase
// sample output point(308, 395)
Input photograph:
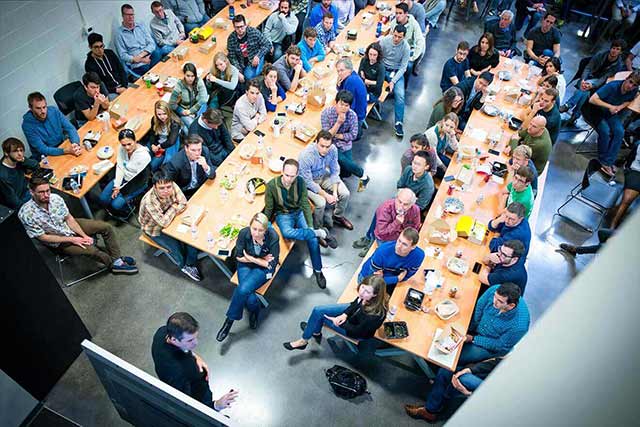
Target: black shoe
point(330, 240)
point(253, 319)
point(362, 242)
point(564, 108)
point(320, 279)
point(570, 249)
point(289, 347)
point(317, 337)
point(224, 331)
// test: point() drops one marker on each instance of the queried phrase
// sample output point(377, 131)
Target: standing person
point(46, 128)
point(433, 9)
point(326, 33)
point(519, 190)
point(248, 112)
point(134, 43)
point(536, 136)
point(158, 208)
point(90, 99)
point(456, 68)
point(319, 10)
point(189, 97)
point(191, 12)
point(164, 134)
point(452, 101)
point(290, 69)
point(247, 47)
point(372, 71)
point(257, 254)
point(543, 42)
point(547, 107)
point(106, 64)
point(191, 166)
point(511, 224)
point(222, 82)
point(320, 170)
point(359, 320)
point(280, 28)
point(413, 35)
point(311, 49)
point(271, 91)
point(47, 218)
point(395, 57)
point(14, 188)
point(442, 138)
point(215, 136)
point(179, 366)
point(348, 80)
point(166, 28)
point(417, 178)
point(504, 33)
point(483, 56)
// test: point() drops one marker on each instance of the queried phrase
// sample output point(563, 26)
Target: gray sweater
point(279, 26)
point(166, 32)
point(188, 11)
point(244, 116)
point(395, 57)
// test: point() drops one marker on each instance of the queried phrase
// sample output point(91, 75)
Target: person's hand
point(400, 218)
point(115, 192)
point(155, 148)
point(391, 86)
point(584, 85)
point(182, 36)
point(120, 89)
point(202, 366)
point(255, 61)
point(298, 68)
point(500, 218)
point(338, 320)
point(75, 149)
point(341, 118)
point(79, 241)
point(248, 257)
point(468, 338)
point(402, 275)
point(202, 162)
point(211, 77)
point(362, 76)
point(542, 59)
point(455, 382)
point(330, 198)
point(493, 258)
point(268, 258)
point(507, 150)
point(378, 273)
point(536, 107)
point(241, 78)
point(185, 113)
point(226, 400)
point(614, 109)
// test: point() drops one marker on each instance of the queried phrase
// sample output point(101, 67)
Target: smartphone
point(224, 252)
point(283, 158)
point(165, 58)
point(258, 132)
point(494, 152)
point(281, 114)
point(133, 85)
point(477, 267)
point(449, 178)
point(242, 5)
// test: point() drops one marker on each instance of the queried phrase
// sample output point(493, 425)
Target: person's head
point(547, 98)
point(182, 331)
point(407, 241)
point(420, 163)
point(158, 10)
point(617, 47)
point(462, 51)
point(514, 214)
point(549, 82)
point(552, 66)
point(373, 293)
point(483, 81)
point(344, 67)
point(510, 252)
point(536, 126)
point(258, 226)
point(293, 55)
point(13, 148)
point(284, 6)
point(91, 82)
point(449, 123)
point(521, 156)
point(163, 115)
point(96, 44)
point(190, 73)
point(193, 147)
point(40, 190)
point(162, 184)
point(323, 142)
point(418, 142)
point(398, 34)
point(38, 105)
point(506, 17)
point(548, 21)
point(212, 118)
point(344, 98)
point(128, 16)
point(486, 43)
point(310, 36)
point(127, 139)
point(405, 198)
point(240, 26)
point(402, 13)
point(327, 21)
point(632, 81)
point(326, 4)
point(221, 67)
point(452, 99)
point(374, 53)
point(522, 178)
point(506, 297)
point(270, 74)
point(253, 90)
point(289, 171)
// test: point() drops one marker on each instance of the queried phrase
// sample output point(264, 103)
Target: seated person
point(414, 36)
point(326, 33)
point(179, 366)
point(452, 101)
point(191, 166)
point(248, 112)
point(134, 43)
point(395, 57)
point(215, 6)
point(342, 123)
point(395, 261)
point(163, 135)
point(158, 208)
point(131, 179)
point(311, 49)
point(449, 384)
point(222, 82)
point(505, 264)
point(521, 156)
point(483, 56)
point(257, 254)
point(106, 64)
point(633, 58)
point(536, 136)
point(349, 80)
point(281, 27)
point(419, 142)
point(46, 128)
point(532, 9)
point(433, 9)
point(546, 106)
point(247, 47)
point(358, 320)
point(215, 136)
point(511, 224)
point(612, 99)
point(91, 99)
point(456, 68)
point(442, 139)
point(372, 71)
point(320, 170)
point(319, 10)
point(166, 28)
point(631, 188)
point(500, 319)
point(550, 70)
point(346, 11)
point(290, 69)
point(286, 201)
point(543, 42)
point(189, 96)
point(623, 15)
point(473, 90)
point(46, 217)
point(519, 190)
point(192, 13)
point(504, 33)
point(14, 189)
point(417, 177)
point(417, 10)
point(271, 91)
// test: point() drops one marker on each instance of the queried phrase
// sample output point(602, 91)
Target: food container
point(446, 309)
point(395, 330)
point(449, 339)
point(457, 266)
point(439, 232)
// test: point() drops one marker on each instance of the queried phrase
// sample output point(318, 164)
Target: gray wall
point(42, 47)
point(579, 365)
point(15, 402)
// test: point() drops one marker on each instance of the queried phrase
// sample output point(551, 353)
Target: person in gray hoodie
point(280, 24)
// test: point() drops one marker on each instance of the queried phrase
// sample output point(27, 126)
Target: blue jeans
point(610, 133)
point(577, 100)
point(187, 120)
point(181, 253)
point(317, 319)
point(433, 15)
point(156, 55)
point(398, 97)
point(372, 227)
point(119, 204)
point(165, 50)
point(546, 52)
point(250, 278)
point(293, 226)
point(472, 353)
point(347, 165)
point(156, 162)
point(250, 71)
point(189, 27)
point(277, 51)
point(443, 389)
point(521, 16)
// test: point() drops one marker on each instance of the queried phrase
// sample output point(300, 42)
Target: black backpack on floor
point(345, 382)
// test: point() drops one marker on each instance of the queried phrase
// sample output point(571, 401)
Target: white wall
point(42, 48)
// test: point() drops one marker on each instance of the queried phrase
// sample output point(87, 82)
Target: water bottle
point(378, 29)
point(44, 161)
point(232, 12)
point(210, 240)
point(74, 186)
point(194, 232)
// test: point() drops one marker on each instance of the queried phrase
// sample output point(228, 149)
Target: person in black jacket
point(193, 157)
point(473, 89)
point(211, 128)
point(106, 64)
point(163, 138)
point(359, 320)
point(14, 189)
point(258, 254)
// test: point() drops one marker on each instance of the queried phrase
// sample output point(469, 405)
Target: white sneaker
point(192, 272)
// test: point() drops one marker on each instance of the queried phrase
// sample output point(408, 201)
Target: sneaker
point(564, 108)
point(331, 240)
point(123, 268)
point(399, 130)
point(192, 272)
point(320, 279)
point(362, 242)
point(363, 253)
point(129, 260)
point(362, 184)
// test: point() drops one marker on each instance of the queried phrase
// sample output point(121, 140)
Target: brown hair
point(10, 144)
point(157, 125)
point(490, 41)
point(411, 234)
point(379, 303)
point(525, 172)
point(447, 99)
point(226, 75)
point(310, 32)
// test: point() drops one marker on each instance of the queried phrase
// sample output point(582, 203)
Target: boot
point(224, 331)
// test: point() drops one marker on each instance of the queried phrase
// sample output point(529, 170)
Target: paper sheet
point(181, 228)
point(478, 134)
point(439, 357)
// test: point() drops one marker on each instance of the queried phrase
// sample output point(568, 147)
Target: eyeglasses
point(504, 255)
point(97, 46)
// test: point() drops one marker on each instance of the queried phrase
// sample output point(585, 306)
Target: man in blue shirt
point(46, 128)
point(511, 225)
point(395, 261)
point(456, 68)
point(506, 264)
point(311, 49)
point(320, 9)
point(349, 80)
point(134, 43)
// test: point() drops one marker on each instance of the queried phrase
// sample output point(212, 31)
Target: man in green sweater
point(14, 191)
point(286, 199)
point(537, 137)
point(519, 190)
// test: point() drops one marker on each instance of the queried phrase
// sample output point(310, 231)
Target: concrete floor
point(279, 388)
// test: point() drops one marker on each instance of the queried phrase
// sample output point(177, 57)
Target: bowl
point(275, 165)
point(457, 266)
point(256, 184)
point(453, 205)
point(105, 152)
point(446, 309)
point(247, 151)
point(504, 75)
point(490, 110)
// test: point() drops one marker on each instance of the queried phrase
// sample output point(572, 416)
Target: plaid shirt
point(348, 129)
point(257, 45)
point(325, 36)
point(156, 214)
point(39, 221)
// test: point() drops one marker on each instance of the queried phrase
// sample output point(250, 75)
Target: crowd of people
point(189, 138)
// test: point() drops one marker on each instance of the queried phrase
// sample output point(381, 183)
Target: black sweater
point(109, 69)
point(359, 323)
point(373, 72)
point(218, 141)
point(14, 190)
point(478, 62)
point(271, 246)
point(174, 132)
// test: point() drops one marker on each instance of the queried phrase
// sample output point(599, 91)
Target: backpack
point(345, 382)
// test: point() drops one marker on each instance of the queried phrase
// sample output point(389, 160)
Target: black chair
point(590, 117)
point(64, 97)
point(589, 200)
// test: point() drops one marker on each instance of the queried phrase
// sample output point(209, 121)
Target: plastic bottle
point(232, 12)
point(44, 161)
point(378, 29)
point(210, 240)
point(194, 231)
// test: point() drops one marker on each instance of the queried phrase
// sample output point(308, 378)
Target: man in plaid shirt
point(247, 48)
point(326, 33)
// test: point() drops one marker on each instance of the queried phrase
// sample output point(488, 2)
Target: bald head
point(405, 199)
point(536, 126)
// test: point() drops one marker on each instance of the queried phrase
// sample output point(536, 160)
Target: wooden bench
point(351, 343)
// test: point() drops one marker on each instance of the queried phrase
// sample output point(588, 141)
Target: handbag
point(346, 383)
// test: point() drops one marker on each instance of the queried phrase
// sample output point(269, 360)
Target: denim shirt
point(271, 245)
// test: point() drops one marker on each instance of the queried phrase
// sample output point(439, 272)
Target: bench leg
point(221, 265)
point(262, 300)
point(351, 346)
point(86, 208)
point(391, 352)
point(424, 366)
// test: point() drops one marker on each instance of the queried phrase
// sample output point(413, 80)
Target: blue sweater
point(520, 232)
point(308, 53)
point(498, 332)
point(391, 264)
point(45, 136)
point(355, 85)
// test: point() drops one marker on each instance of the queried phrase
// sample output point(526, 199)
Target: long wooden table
point(140, 101)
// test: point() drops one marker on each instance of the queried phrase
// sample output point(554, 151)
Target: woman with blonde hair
point(222, 81)
point(164, 135)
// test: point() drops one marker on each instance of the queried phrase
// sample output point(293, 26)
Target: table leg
point(424, 366)
point(85, 206)
point(391, 352)
point(221, 265)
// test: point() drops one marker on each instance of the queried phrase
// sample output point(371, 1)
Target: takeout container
point(457, 266)
point(449, 339)
point(446, 309)
point(193, 215)
point(395, 330)
point(439, 232)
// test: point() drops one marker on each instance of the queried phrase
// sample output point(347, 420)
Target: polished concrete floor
point(279, 388)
